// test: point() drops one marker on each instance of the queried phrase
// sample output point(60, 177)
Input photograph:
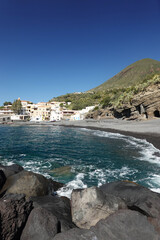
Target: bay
point(92, 157)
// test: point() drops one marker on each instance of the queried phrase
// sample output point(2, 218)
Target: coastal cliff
point(142, 105)
point(31, 209)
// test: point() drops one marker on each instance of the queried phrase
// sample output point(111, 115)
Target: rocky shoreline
point(31, 209)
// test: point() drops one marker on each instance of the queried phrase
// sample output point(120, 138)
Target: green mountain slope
point(131, 75)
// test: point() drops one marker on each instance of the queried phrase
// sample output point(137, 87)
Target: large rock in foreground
point(135, 196)
point(90, 206)
point(122, 225)
point(41, 225)
point(29, 183)
point(59, 207)
point(14, 214)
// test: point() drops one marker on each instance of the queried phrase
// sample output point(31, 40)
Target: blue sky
point(52, 47)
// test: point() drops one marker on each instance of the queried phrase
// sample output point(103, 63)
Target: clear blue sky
point(52, 47)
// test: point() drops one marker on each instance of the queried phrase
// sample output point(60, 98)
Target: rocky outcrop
point(138, 106)
point(119, 210)
point(137, 198)
point(90, 206)
point(122, 225)
point(28, 183)
point(143, 105)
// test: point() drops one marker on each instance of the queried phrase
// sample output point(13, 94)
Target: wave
point(148, 151)
point(95, 173)
point(77, 183)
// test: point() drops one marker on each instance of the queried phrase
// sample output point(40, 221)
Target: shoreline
point(151, 139)
point(148, 130)
point(151, 135)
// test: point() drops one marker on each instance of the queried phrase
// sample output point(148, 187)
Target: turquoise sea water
point(95, 157)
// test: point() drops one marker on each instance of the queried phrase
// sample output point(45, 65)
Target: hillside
point(139, 102)
point(121, 88)
point(132, 75)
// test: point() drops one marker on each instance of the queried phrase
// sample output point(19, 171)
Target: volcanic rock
point(77, 234)
point(41, 225)
point(90, 205)
point(59, 207)
point(13, 216)
point(122, 225)
point(135, 196)
point(143, 105)
point(11, 170)
point(28, 183)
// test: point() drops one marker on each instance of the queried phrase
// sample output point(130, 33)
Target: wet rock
point(41, 225)
point(122, 225)
point(28, 183)
point(90, 205)
point(13, 216)
point(59, 207)
point(11, 170)
point(2, 179)
point(62, 171)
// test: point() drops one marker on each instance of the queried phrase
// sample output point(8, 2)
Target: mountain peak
point(131, 75)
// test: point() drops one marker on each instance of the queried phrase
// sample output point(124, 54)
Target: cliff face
point(148, 103)
point(144, 105)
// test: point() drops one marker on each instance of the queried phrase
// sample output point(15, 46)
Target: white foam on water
point(5, 162)
point(157, 190)
point(99, 174)
point(155, 180)
point(77, 183)
point(121, 173)
point(22, 155)
point(147, 150)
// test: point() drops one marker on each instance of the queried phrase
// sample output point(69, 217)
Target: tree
point(7, 103)
point(17, 106)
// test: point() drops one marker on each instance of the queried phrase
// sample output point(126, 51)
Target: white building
point(80, 115)
point(56, 111)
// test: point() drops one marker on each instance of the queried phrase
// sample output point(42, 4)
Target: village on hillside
point(42, 111)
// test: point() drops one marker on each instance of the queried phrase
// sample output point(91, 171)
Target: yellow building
point(40, 112)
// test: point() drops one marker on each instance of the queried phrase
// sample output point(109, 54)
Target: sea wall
point(31, 209)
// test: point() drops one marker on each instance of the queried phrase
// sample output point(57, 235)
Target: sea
point(80, 157)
